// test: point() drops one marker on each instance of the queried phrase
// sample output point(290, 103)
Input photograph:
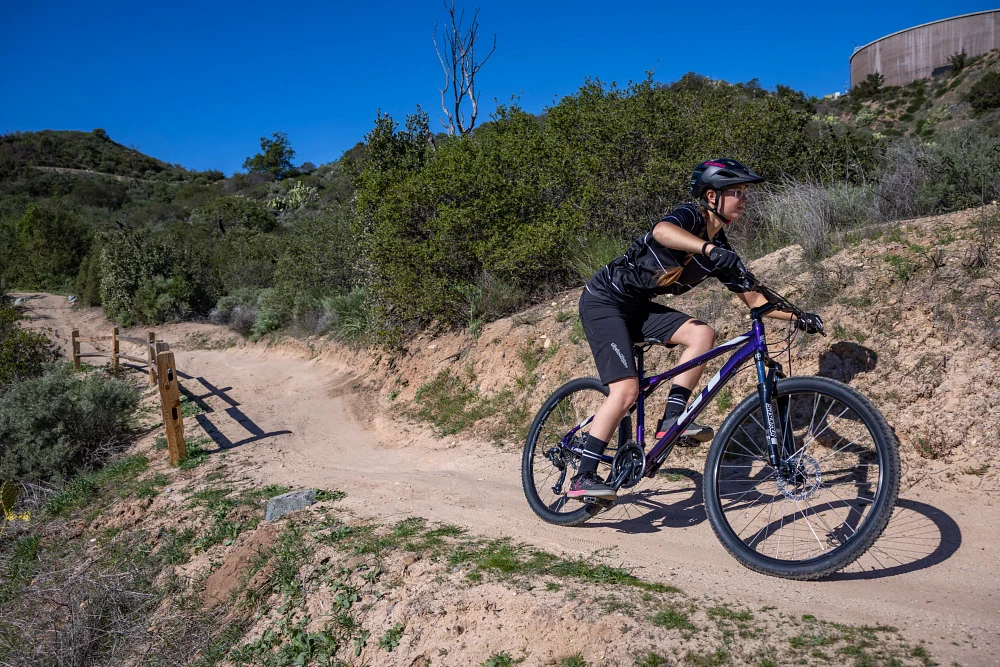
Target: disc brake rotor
point(803, 482)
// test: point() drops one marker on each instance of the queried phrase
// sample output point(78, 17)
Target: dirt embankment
point(430, 432)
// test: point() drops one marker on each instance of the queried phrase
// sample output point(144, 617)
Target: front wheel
point(830, 501)
point(546, 467)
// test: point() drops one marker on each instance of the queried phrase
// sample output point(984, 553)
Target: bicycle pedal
point(688, 442)
point(600, 502)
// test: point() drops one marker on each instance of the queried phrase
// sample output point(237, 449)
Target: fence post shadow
point(233, 411)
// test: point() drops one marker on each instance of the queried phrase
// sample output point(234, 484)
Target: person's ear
point(710, 197)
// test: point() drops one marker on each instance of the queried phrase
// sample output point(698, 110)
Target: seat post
point(638, 362)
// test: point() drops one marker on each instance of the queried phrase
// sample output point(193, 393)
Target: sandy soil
point(299, 419)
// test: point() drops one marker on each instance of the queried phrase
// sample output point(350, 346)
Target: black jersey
point(648, 269)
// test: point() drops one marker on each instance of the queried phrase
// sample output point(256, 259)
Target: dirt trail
point(298, 421)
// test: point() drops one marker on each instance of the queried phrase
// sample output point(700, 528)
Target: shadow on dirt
point(673, 499)
point(234, 412)
point(917, 537)
point(845, 360)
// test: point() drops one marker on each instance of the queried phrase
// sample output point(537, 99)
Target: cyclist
point(684, 248)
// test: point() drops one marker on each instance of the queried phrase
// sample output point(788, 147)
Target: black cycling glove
point(726, 260)
point(811, 323)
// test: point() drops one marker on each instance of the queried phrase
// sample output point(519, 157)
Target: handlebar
point(750, 282)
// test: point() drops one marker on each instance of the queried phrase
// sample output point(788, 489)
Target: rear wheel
point(831, 500)
point(547, 467)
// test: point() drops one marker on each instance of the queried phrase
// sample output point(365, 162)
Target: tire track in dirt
point(935, 585)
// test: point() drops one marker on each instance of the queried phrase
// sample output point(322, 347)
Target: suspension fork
point(765, 391)
point(767, 372)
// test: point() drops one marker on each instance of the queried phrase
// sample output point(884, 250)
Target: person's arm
point(674, 237)
point(756, 299)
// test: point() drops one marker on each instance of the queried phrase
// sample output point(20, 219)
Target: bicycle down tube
point(751, 345)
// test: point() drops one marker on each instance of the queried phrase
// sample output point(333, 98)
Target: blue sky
point(200, 83)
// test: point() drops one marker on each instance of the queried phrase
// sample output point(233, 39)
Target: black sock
point(676, 402)
point(594, 447)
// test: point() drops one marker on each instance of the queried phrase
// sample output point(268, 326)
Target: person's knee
point(624, 392)
point(708, 337)
point(701, 336)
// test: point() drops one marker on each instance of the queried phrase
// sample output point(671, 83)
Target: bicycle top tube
point(750, 344)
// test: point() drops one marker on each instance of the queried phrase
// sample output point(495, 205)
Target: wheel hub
point(803, 481)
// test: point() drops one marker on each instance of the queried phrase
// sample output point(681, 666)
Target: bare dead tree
point(457, 54)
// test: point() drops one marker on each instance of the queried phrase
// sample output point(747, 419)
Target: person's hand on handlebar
point(811, 323)
point(726, 260)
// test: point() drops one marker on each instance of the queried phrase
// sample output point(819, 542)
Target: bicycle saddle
point(648, 341)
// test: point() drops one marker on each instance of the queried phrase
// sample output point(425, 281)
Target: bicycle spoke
point(796, 514)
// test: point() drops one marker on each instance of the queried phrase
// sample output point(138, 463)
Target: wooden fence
point(116, 354)
point(162, 370)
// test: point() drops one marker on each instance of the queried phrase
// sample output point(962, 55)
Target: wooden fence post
point(151, 337)
point(114, 350)
point(170, 400)
point(76, 349)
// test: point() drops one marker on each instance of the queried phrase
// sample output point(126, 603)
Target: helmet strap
point(714, 209)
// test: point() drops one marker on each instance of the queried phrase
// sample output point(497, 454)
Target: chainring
point(629, 464)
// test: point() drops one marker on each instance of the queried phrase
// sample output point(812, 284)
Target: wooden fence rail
point(162, 371)
point(115, 354)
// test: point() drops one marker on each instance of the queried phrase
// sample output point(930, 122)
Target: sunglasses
point(737, 193)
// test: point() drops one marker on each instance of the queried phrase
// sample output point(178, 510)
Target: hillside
point(90, 151)
point(922, 108)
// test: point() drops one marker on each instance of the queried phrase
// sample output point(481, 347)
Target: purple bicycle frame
point(751, 345)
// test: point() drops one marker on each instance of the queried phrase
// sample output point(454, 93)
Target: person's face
point(732, 201)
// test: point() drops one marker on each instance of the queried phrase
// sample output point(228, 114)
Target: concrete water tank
point(915, 53)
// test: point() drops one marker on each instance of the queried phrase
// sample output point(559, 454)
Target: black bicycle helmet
point(718, 175)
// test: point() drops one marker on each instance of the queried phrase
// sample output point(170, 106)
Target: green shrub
point(53, 426)
point(88, 280)
point(238, 310)
point(272, 312)
point(985, 94)
point(43, 248)
point(494, 296)
point(870, 87)
point(233, 212)
point(961, 170)
point(592, 252)
point(958, 61)
point(23, 352)
point(160, 299)
point(128, 260)
point(318, 257)
point(243, 259)
point(100, 193)
point(346, 315)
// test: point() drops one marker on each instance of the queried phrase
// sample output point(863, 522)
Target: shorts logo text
point(620, 355)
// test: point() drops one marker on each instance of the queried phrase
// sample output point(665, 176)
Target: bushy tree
point(985, 94)
point(88, 280)
point(275, 157)
point(869, 87)
point(42, 248)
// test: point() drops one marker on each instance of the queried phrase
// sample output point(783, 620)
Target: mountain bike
point(800, 480)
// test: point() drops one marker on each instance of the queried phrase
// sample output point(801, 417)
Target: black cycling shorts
point(612, 328)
